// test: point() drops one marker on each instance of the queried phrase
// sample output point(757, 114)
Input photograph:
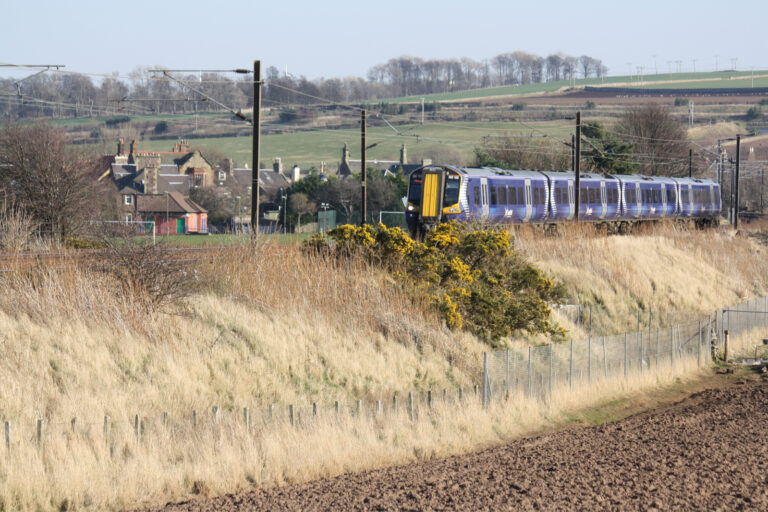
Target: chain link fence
point(535, 372)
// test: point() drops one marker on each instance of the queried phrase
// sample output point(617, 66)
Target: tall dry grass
point(268, 326)
point(671, 271)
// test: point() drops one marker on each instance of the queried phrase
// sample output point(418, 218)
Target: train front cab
point(433, 197)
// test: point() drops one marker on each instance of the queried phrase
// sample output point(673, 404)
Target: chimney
point(295, 173)
point(322, 167)
point(277, 166)
point(134, 147)
point(345, 155)
point(228, 165)
point(120, 147)
point(426, 161)
point(403, 155)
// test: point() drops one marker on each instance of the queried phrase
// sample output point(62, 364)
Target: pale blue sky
point(346, 38)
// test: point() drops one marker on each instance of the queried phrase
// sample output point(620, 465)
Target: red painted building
point(172, 213)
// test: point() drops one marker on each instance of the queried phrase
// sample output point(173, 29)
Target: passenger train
point(497, 196)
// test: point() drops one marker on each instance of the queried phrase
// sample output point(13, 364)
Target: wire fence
point(535, 372)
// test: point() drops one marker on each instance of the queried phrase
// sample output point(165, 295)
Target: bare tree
point(301, 205)
point(659, 140)
point(46, 179)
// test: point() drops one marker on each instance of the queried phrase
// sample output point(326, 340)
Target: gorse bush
point(474, 279)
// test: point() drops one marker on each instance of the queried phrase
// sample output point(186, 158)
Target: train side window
point(493, 196)
point(583, 194)
point(535, 195)
point(512, 193)
point(558, 197)
point(502, 195)
point(520, 196)
point(591, 196)
point(477, 195)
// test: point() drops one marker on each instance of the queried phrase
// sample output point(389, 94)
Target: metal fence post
point(530, 371)
point(485, 380)
point(570, 368)
point(698, 351)
point(551, 357)
point(626, 361)
point(589, 360)
point(507, 381)
point(605, 360)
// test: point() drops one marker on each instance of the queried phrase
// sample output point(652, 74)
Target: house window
point(128, 199)
point(199, 180)
point(222, 176)
point(128, 217)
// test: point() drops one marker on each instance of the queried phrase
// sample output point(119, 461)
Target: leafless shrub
point(16, 229)
point(155, 272)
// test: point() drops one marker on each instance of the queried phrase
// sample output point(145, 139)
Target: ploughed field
point(709, 451)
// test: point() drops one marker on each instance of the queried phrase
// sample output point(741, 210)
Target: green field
point(741, 83)
point(307, 149)
point(618, 81)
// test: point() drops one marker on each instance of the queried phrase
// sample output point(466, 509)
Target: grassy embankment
point(277, 327)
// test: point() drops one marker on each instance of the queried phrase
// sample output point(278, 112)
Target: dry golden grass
point(272, 326)
point(677, 273)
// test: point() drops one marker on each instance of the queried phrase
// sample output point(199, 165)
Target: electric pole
point(576, 166)
point(690, 163)
point(736, 201)
point(255, 148)
point(364, 202)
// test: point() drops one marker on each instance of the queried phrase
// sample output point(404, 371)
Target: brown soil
point(706, 452)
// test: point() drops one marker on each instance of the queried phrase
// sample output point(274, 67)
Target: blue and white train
point(439, 193)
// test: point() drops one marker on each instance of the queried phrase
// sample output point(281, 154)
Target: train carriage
point(498, 196)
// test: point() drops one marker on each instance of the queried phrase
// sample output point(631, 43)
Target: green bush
point(474, 279)
point(519, 106)
point(681, 102)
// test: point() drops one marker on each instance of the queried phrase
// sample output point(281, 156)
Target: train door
point(663, 199)
point(639, 194)
point(603, 200)
point(690, 200)
point(711, 198)
point(571, 200)
point(484, 198)
point(528, 201)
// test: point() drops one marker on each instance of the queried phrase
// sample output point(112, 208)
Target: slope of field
point(455, 142)
point(270, 326)
point(706, 452)
point(664, 80)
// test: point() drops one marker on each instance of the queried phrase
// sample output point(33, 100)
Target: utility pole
point(364, 202)
point(736, 206)
point(690, 163)
point(255, 148)
point(573, 153)
point(577, 165)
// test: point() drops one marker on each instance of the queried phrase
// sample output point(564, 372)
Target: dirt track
point(708, 452)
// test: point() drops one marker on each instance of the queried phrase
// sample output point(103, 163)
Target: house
point(171, 213)
point(158, 172)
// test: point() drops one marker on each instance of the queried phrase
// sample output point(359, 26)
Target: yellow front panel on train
point(431, 198)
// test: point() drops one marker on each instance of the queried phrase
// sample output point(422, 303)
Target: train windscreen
point(452, 185)
point(414, 191)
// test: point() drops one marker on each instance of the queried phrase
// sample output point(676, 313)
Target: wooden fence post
point(394, 403)
point(247, 418)
point(106, 430)
point(137, 428)
point(410, 405)
point(314, 409)
point(8, 436)
point(194, 418)
point(336, 407)
point(73, 423)
point(429, 399)
point(725, 346)
point(40, 432)
point(291, 414)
